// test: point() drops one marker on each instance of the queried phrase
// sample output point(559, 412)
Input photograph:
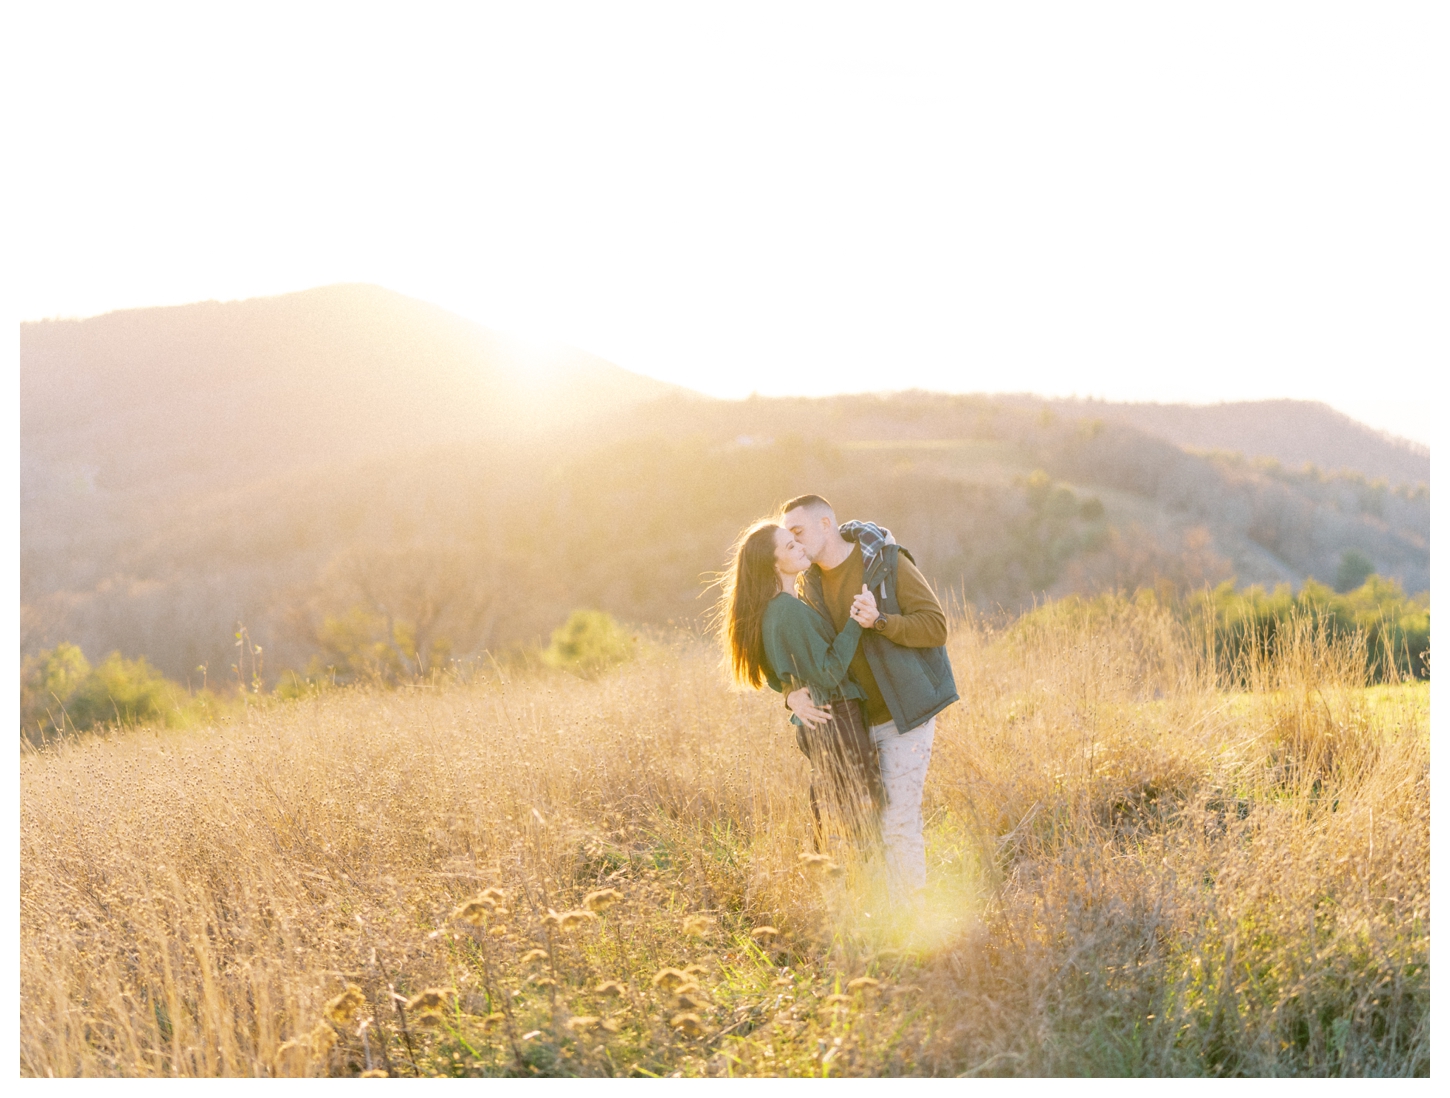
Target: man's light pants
point(904, 759)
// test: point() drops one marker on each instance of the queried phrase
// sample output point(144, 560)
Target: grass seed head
point(697, 926)
point(574, 920)
point(690, 997)
point(602, 899)
point(321, 1040)
point(434, 998)
point(342, 1009)
point(667, 979)
point(863, 983)
point(688, 1024)
point(474, 911)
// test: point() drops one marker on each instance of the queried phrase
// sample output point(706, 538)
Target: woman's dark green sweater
point(802, 649)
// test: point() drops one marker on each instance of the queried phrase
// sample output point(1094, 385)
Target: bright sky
point(1134, 201)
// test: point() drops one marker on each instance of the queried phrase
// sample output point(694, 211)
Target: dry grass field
point(1136, 870)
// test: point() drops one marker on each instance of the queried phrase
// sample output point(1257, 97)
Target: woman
point(771, 637)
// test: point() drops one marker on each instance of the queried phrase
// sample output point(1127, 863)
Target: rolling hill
point(1293, 432)
point(347, 472)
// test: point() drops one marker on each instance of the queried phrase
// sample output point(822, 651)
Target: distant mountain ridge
point(1293, 432)
point(218, 392)
point(301, 464)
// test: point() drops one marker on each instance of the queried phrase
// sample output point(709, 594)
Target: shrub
point(588, 643)
point(61, 692)
point(1396, 629)
point(1354, 569)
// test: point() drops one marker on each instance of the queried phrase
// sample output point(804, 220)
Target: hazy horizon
point(1367, 412)
point(1144, 204)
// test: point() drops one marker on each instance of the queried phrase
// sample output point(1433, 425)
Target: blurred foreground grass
point(1134, 871)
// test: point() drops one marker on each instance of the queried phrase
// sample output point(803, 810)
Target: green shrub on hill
point(1396, 628)
point(61, 692)
point(1245, 625)
point(588, 643)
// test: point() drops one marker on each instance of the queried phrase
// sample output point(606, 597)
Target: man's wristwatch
point(880, 623)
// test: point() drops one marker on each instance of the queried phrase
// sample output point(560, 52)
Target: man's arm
point(922, 623)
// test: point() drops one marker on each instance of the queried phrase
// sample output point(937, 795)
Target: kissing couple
point(838, 618)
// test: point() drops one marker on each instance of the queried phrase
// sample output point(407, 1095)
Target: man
point(901, 663)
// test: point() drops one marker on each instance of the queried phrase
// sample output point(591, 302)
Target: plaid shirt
point(870, 537)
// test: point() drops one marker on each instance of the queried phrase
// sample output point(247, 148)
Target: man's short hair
point(811, 501)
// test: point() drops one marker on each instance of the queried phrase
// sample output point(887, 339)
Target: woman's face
point(790, 555)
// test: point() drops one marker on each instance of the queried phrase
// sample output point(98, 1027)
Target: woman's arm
point(799, 653)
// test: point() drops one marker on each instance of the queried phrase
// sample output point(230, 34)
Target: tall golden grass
point(1135, 870)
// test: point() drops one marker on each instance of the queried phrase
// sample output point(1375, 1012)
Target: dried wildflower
point(690, 997)
point(433, 998)
point(474, 911)
point(603, 899)
point(342, 1009)
point(696, 926)
point(582, 1023)
point(533, 955)
point(863, 983)
point(612, 989)
point(764, 933)
point(688, 1024)
point(669, 978)
point(573, 920)
point(321, 1039)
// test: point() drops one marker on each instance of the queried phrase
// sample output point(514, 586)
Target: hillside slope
point(1293, 432)
point(347, 472)
point(218, 393)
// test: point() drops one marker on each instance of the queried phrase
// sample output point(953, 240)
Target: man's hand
point(863, 608)
point(811, 715)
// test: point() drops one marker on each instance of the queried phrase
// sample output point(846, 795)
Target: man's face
point(810, 528)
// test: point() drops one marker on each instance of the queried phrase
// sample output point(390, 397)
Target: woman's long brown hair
point(749, 584)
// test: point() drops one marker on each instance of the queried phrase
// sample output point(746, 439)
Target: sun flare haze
point(1124, 201)
point(757, 540)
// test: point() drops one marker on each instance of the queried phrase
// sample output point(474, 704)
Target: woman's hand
point(812, 716)
point(863, 608)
